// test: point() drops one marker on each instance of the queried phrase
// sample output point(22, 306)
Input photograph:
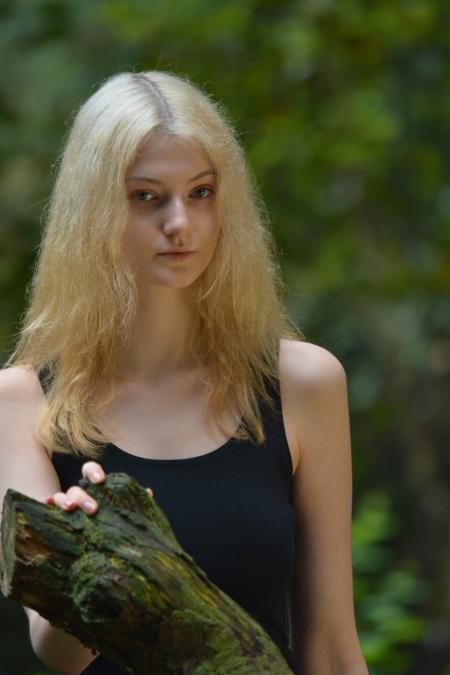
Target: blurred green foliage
point(343, 108)
point(389, 592)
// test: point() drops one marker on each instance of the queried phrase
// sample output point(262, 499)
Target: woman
point(156, 343)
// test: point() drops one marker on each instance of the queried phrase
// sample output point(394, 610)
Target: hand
point(76, 496)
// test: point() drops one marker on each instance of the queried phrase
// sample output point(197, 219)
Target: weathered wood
point(121, 583)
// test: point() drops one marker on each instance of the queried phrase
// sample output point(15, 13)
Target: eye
point(148, 197)
point(208, 190)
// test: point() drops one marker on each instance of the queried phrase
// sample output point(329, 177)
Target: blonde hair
point(83, 295)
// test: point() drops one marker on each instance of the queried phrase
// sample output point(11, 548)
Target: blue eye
point(143, 196)
point(203, 188)
point(143, 192)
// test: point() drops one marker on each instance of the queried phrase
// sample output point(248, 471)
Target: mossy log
point(121, 583)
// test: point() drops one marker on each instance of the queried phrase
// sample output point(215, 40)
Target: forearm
point(56, 648)
point(358, 668)
point(323, 666)
point(315, 656)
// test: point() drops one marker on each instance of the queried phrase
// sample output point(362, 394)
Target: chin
point(177, 279)
point(185, 282)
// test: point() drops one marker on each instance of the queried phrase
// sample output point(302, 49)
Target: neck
point(159, 339)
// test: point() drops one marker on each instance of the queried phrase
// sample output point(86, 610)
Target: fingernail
point(89, 506)
point(96, 475)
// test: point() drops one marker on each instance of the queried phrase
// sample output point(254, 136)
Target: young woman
point(156, 343)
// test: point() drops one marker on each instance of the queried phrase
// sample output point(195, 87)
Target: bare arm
point(26, 467)
point(325, 638)
point(56, 648)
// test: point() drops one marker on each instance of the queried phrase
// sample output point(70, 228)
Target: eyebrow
point(147, 179)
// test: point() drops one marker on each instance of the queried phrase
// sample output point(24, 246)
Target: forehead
point(168, 152)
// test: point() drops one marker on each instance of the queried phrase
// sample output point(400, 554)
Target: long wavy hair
point(82, 298)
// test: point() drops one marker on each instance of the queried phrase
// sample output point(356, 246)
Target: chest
point(166, 424)
point(163, 424)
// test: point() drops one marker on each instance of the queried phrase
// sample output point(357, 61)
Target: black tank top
point(231, 510)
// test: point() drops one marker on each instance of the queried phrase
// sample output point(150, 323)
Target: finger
point(150, 491)
point(93, 471)
point(79, 497)
point(60, 500)
point(74, 498)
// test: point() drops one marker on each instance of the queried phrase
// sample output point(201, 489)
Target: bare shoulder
point(21, 396)
point(306, 365)
point(313, 383)
point(20, 383)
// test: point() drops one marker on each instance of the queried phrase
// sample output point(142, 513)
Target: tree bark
point(120, 582)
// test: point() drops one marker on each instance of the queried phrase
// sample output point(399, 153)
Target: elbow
point(57, 649)
point(48, 658)
point(54, 661)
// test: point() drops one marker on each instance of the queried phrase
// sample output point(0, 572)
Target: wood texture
point(120, 582)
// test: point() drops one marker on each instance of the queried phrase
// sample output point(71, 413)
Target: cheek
point(212, 236)
point(130, 246)
point(138, 239)
point(215, 241)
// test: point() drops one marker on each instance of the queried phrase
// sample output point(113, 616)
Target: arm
point(26, 467)
point(55, 647)
point(325, 639)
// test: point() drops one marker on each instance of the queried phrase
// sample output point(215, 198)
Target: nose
point(175, 218)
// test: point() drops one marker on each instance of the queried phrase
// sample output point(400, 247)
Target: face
point(172, 227)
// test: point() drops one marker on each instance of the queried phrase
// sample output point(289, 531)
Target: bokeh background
point(343, 107)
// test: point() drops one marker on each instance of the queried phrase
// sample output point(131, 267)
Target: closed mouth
point(177, 253)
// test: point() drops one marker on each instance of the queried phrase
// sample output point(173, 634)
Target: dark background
point(343, 108)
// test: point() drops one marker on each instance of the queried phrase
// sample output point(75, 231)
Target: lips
point(176, 255)
point(175, 250)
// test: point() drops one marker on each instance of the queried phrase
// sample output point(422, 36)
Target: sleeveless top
point(230, 509)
